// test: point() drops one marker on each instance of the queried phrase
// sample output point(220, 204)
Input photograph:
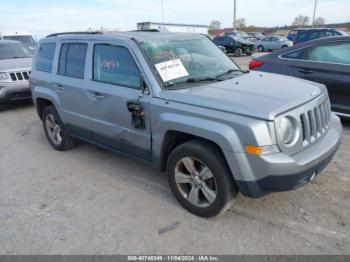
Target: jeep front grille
point(20, 76)
point(315, 122)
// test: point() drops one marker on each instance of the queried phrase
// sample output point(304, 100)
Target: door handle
point(305, 71)
point(95, 95)
point(58, 87)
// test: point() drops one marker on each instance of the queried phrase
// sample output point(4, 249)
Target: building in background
point(170, 27)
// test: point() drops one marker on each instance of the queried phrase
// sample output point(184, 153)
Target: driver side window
point(115, 65)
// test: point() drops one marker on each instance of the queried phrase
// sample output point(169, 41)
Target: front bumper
point(248, 49)
point(280, 172)
point(14, 91)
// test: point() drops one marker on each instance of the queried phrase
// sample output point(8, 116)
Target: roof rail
point(76, 33)
point(146, 30)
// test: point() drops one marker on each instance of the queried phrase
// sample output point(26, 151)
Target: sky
point(40, 17)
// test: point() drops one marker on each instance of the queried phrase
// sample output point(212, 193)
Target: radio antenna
point(166, 69)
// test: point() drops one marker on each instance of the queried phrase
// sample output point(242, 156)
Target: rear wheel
point(260, 48)
point(200, 179)
point(283, 47)
point(55, 131)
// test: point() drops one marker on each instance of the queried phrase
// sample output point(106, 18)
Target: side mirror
point(143, 85)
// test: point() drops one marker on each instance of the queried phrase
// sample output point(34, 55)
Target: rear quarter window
point(45, 57)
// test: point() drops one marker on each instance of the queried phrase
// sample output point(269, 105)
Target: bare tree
point(301, 20)
point(215, 24)
point(241, 23)
point(320, 21)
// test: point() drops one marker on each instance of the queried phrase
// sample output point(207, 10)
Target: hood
point(246, 41)
point(8, 65)
point(258, 95)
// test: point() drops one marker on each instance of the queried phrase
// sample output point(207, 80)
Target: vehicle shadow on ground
point(346, 123)
point(16, 106)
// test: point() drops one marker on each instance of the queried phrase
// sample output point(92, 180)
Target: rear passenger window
point(115, 65)
point(72, 60)
point(45, 57)
point(299, 54)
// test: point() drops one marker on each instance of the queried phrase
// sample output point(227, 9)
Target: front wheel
point(238, 52)
point(260, 48)
point(200, 178)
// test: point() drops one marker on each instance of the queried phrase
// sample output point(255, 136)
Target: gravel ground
point(90, 201)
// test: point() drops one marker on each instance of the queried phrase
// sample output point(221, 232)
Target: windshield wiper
point(203, 79)
point(230, 71)
point(194, 80)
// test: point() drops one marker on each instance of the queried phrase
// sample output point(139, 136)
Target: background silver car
point(15, 66)
point(272, 43)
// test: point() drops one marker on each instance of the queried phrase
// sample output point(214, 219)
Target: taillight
point(254, 64)
point(294, 43)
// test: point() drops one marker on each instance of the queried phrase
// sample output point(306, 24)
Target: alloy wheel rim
point(195, 181)
point(53, 129)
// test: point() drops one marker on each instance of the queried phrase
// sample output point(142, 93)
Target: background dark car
point(326, 61)
point(316, 33)
point(241, 34)
point(295, 32)
point(235, 45)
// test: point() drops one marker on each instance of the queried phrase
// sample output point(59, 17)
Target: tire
point(217, 178)
point(58, 136)
point(260, 48)
point(238, 52)
point(283, 47)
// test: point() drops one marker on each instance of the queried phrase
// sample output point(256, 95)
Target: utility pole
point(163, 13)
point(313, 18)
point(234, 14)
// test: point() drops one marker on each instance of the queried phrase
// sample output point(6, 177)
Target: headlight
point(3, 76)
point(287, 130)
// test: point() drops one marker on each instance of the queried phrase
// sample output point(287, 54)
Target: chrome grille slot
point(20, 76)
point(13, 76)
point(315, 122)
point(25, 75)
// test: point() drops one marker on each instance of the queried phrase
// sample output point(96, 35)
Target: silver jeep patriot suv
point(178, 102)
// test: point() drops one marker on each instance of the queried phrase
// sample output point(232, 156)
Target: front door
point(119, 112)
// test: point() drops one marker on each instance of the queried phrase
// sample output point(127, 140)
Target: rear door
point(119, 111)
point(69, 83)
point(329, 64)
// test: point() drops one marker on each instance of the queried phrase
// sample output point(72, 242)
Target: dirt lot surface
point(90, 201)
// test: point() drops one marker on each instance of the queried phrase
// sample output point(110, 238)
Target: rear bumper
point(279, 172)
point(10, 92)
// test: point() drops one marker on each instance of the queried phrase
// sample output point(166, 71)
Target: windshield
point(25, 39)
point(180, 61)
point(14, 50)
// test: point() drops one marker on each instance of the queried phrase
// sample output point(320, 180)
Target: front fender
point(222, 135)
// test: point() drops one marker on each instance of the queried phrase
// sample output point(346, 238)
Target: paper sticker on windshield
point(170, 70)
